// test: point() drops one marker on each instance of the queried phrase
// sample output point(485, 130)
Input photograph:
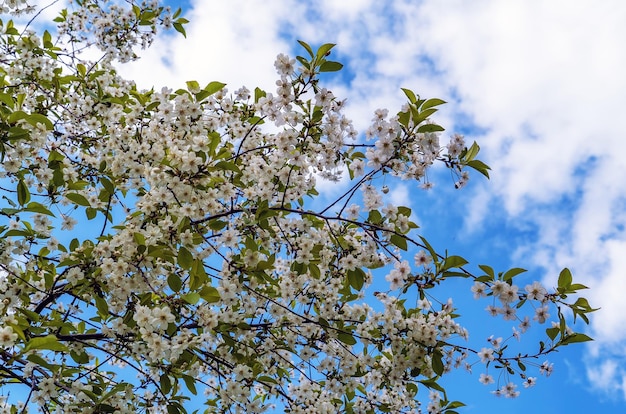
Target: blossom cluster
point(204, 267)
point(15, 7)
point(113, 28)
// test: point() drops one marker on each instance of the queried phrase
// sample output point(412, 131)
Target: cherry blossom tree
point(166, 251)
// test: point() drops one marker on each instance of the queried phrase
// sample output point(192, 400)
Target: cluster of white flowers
point(114, 29)
point(16, 7)
point(508, 295)
point(207, 266)
point(511, 299)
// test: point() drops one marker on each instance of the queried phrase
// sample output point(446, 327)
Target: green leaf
point(510, 274)
point(35, 207)
point(447, 274)
point(306, 47)
point(31, 315)
point(323, 322)
point(479, 166)
point(430, 128)
point(314, 270)
point(190, 382)
point(101, 407)
point(78, 199)
point(488, 270)
point(102, 306)
point(197, 274)
point(12, 233)
point(437, 360)
point(55, 156)
point(399, 241)
point(259, 93)
point(577, 286)
point(584, 307)
point(405, 211)
point(191, 298)
point(79, 357)
point(430, 249)
point(403, 119)
point(576, 337)
point(185, 258)
point(90, 213)
point(454, 261)
point(472, 152)
point(432, 383)
point(7, 99)
point(49, 342)
point(23, 193)
point(552, 332)
point(210, 294)
point(120, 386)
point(410, 94)
point(173, 408)
point(139, 238)
point(179, 28)
point(108, 185)
point(10, 211)
point(411, 387)
point(375, 217)
point(455, 404)
point(346, 338)
point(228, 165)
point(36, 359)
point(217, 225)
point(565, 279)
point(432, 102)
point(423, 115)
point(174, 282)
point(35, 119)
point(356, 278)
point(209, 90)
point(330, 66)
point(166, 383)
point(324, 49)
point(214, 87)
point(193, 85)
point(305, 63)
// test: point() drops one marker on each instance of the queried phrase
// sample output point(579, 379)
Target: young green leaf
point(329, 66)
point(49, 342)
point(565, 279)
point(410, 94)
point(511, 273)
point(307, 48)
point(23, 193)
point(346, 338)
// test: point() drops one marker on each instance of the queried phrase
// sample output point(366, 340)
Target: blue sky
point(538, 84)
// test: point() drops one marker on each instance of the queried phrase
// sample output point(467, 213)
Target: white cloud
point(608, 377)
point(400, 196)
point(226, 41)
point(48, 10)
